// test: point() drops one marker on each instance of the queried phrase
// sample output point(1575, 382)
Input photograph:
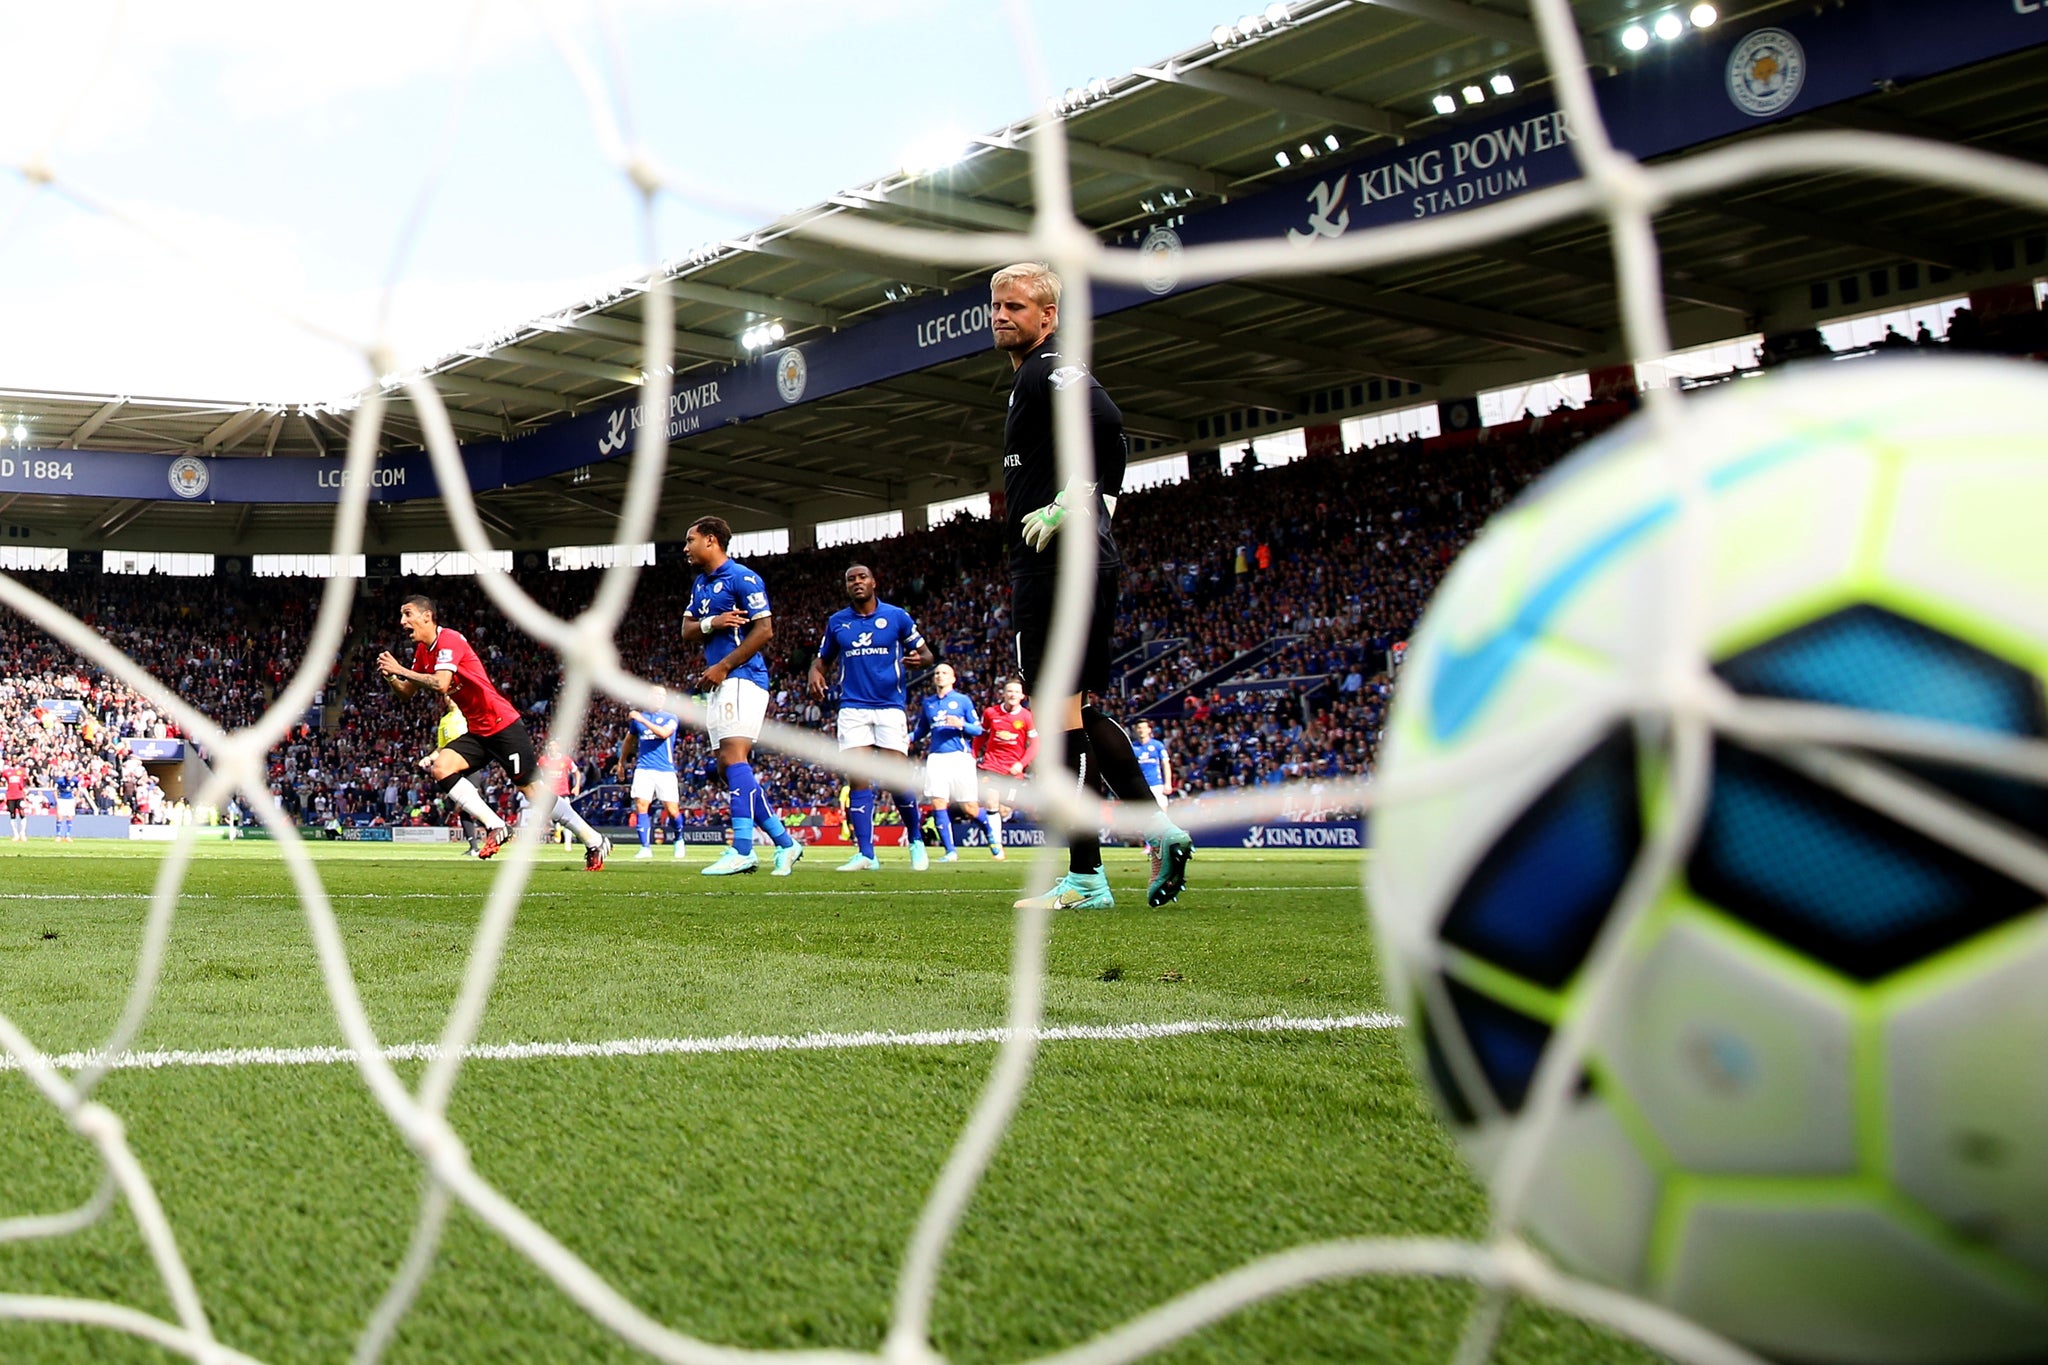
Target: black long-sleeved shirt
point(1031, 473)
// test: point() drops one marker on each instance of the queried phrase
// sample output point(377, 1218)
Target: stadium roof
point(1197, 129)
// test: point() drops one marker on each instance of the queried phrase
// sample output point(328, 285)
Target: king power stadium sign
point(1720, 83)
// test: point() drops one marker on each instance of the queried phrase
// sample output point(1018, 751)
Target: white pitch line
point(731, 1043)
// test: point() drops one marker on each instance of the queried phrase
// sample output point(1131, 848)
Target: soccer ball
point(1811, 1112)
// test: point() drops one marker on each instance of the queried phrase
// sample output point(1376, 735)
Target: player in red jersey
point(444, 663)
point(16, 778)
point(1008, 743)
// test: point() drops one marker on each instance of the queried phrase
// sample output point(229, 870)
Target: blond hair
point(1037, 279)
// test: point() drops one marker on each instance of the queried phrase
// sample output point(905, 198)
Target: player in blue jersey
point(948, 721)
point(65, 781)
point(873, 642)
point(1153, 762)
point(729, 614)
point(654, 771)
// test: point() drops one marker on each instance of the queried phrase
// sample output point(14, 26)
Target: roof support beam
point(745, 301)
point(922, 202)
point(93, 423)
point(461, 381)
point(1154, 170)
point(1438, 314)
point(1285, 98)
point(313, 432)
point(227, 433)
point(829, 481)
point(1827, 228)
point(1467, 18)
point(117, 519)
point(540, 358)
point(834, 257)
point(633, 334)
point(1251, 341)
point(270, 440)
point(1677, 284)
point(1205, 391)
point(498, 522)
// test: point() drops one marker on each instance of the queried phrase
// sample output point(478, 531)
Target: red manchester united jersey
point(486, 711)
point(16, 778)
point(1007, 738)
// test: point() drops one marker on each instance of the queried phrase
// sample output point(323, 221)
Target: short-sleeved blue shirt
point(732, 584)
point(657, 754)
point(947, 739)
point(870, 650)
point(1152, 761)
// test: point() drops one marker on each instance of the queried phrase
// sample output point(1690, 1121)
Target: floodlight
point(1703, 16)
point(1444, 104)
point(1282, 159)
point(1669, 26)
point(1223, 35)
point(1330, 141)
point(1635, 37)
point(1502, 83)
point(1276, 13)
point(1307, 150)
point(1473, 95)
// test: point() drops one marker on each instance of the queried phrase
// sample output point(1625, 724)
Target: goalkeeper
point(480, 824)
point(1024, 307)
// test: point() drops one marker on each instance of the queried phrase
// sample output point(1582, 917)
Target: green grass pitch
point(760, 1199)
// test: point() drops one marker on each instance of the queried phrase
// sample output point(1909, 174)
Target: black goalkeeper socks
point(1084, 847)
point(1116, 761)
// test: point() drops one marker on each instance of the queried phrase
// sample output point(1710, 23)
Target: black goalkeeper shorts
point(1031, 611)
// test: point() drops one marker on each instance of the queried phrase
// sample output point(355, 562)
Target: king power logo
point(1303, 836)
point(1473, 170)
point(687, 409)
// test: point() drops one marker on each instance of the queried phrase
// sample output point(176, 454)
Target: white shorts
point(650, 784)
point(880, 727)
point(950, 777)
point(67, 807)
point(736, 710)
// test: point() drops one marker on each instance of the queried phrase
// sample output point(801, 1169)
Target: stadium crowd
point(1265, 613)
point(1324, 563)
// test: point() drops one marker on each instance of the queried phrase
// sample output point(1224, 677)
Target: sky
point(188, 186)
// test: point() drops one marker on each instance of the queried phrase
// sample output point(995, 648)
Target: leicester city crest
point(1160, 255)
point(190, 476)
point(790, 375)
point(1765, 72)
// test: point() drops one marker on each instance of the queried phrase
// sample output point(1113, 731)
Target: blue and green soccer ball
point(1815, 1117)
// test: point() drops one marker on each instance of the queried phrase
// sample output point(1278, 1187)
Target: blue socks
point(862, 812)
point(768, 821)
point(740, 777)
point(944, 816)
point(646, 825)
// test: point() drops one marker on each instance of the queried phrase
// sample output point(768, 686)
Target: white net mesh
point(1614, 188)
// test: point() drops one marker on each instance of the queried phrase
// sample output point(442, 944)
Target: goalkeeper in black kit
point(1024, 306)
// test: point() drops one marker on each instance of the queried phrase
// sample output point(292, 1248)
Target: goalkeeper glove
point(1042, 525)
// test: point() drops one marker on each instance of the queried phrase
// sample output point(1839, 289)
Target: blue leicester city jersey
point(732, 584)
point(947, 739)
point(870, 650)
point(657, 755)
point(1152, 761)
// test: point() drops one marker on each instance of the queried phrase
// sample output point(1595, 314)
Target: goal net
point(1613, 188)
